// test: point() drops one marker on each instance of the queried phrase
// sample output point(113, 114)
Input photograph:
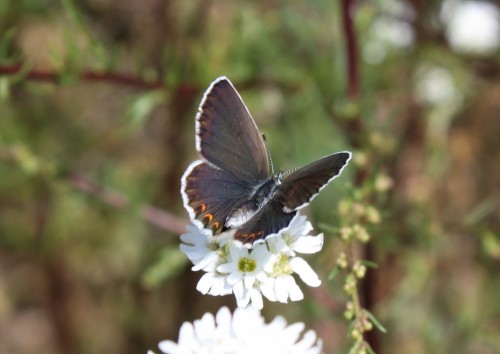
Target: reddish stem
point(155, 216)
point(351, 48)
point(355, 129)
point(86, 75)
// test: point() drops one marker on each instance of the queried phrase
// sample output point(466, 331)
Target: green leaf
point(142, 106)
point(21, 74)
point(6, 43)
point(490, 243)
point(375, 321)
point(4, 88)
point(482, 210)
point(171, 262)
point(369, 264)
point(355, 347)
point(328, 228)
point(369, 348)
point(333, 273)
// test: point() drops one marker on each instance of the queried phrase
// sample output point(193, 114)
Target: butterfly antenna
point(290, 171)
point(268, 154)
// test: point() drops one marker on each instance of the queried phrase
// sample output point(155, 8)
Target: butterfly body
point(258, 198)
point(232, 187)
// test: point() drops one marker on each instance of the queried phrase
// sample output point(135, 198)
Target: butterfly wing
point(300, 186)
point(210, 194)
point(296, 191)
point(270, 219)
point(227, 135)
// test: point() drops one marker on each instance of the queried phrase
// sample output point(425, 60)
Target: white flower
point(244, 332)
point(265, 268)
point(245, 266)
point(198, 249)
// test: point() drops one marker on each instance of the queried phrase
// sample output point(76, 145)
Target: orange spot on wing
point(207, 218)
point(249, 236)
point(200, 208)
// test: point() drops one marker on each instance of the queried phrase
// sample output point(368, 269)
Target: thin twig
point(86, 75)
point(355, 130)
point(153, 215)
point(351, 50)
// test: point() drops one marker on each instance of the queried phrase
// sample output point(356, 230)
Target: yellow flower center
point(246, 265)
point(282, 266)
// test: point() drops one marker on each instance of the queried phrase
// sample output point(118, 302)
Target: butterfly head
point(278, 178)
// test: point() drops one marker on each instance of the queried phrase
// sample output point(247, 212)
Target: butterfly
point(231, 187)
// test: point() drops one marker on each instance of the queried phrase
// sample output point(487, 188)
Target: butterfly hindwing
point(227, 135)
point(270, 219)
point(210, 194)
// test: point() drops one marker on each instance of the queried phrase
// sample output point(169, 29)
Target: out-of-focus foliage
point(83, 271)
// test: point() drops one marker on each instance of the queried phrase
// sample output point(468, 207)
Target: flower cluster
point(252, 271)
point(243, 332)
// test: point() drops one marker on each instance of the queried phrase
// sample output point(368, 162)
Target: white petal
point(242, 295)
point(292, 332)
point(269, 265)
point(194, 253)
point(234, 278)
point(267, 289)
point(260, 253)
point(307, 340)
point(215, 289)
point(248, 281)
point(244, 332)
point(308, 244)
point(262, 276)
point(278, 323)
point(205, 283)
point(195, 235)
point(227, 267)
point(193, 238)
point(207, 263)
point(305, 272)
point(204, 328)
point(237, 251)
point(256, 298)
point(169, 347)
point(299, 226)
point(226, 288)
point(186, 335)
point(280, 289)
point(277, 245)
point(247, 322)
point(293, 289)
point(220, 286)
point(223, 319)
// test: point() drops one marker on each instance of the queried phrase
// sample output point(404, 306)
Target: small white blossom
point(244, 332)
point(198, 248)
point(265, 268)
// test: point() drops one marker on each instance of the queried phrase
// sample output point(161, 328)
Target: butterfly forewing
point(227, 136)
point(300, 186)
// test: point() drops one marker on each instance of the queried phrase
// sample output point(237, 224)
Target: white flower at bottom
point(244, 332)
point(265, 268)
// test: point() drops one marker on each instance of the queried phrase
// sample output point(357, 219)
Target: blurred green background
point(97, 106)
